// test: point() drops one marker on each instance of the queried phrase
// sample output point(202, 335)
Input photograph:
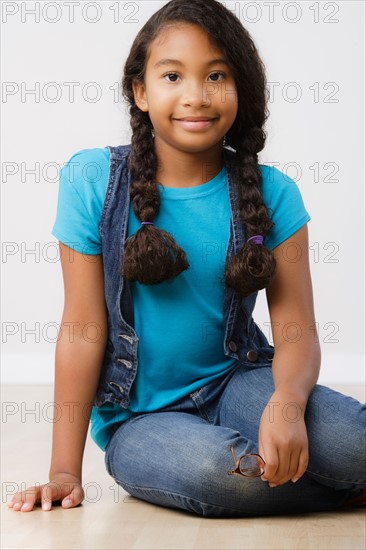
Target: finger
point(49, 493)
point(24, 498)
point(294, 458)
point(74, 498)
point(282, 473)
point(28, 502)
point(17, 498)
point(303, 464)
point(17, 502)
point(262, 454)
point(270, 457)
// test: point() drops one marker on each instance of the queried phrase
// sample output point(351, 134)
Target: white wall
point(314, 49)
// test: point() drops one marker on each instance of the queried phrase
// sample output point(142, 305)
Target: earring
point(224, 142)
point(152, 133)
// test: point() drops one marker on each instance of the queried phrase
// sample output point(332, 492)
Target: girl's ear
point(140, 96)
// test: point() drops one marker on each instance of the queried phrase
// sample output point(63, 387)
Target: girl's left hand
point(282, 439)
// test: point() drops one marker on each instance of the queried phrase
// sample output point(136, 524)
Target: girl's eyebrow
point(177, 62)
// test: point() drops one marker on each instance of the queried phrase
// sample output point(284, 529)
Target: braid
point(252, 268)
point(151, 255)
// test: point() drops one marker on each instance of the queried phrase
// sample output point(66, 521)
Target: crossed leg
point(180, 460)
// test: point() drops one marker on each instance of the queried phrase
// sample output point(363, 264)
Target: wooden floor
point(109, 518)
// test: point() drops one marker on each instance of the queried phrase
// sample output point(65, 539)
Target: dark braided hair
point(152, 255)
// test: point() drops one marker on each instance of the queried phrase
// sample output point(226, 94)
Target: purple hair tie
point(258, 239)
point(142, 223)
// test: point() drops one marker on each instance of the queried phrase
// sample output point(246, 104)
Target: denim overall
point(243, 339)
point(179, 456)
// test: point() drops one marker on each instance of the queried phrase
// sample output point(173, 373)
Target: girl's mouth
point(195, 124)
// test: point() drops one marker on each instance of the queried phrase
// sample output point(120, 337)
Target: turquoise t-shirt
point(187, 310)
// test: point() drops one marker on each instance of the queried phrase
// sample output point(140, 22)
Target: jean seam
point(172, 493)
point(361, 482)
point(107, 461)
point(200, 404)
point(226, 377)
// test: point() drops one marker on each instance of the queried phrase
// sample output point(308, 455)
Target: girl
point(165, 243)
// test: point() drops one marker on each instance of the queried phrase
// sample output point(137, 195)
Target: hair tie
point(142, 223)
point(258, 239)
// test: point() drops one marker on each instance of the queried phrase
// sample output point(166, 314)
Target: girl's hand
point(63, 487)
point(282, 439)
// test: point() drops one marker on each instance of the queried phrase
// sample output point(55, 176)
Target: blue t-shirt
point(191, 353)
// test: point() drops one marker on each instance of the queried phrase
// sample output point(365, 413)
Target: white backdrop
point(314, 55)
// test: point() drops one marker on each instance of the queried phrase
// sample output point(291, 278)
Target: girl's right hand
point(62, 487)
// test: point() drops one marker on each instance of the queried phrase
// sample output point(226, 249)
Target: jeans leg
point(336, 428)
point(180, 460)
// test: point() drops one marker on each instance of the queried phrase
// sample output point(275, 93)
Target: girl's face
point(186, 76)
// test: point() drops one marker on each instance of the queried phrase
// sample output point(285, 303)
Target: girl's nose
point(196, 94)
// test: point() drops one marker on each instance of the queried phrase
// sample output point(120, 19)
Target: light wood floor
point(109, 518)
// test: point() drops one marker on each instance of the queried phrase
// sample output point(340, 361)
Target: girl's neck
point(185, 169)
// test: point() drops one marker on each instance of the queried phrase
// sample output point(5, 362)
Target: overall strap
point(119, 152)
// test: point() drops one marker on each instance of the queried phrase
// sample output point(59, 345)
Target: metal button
point(232, 346)
point(252, 355)
point(127, 363)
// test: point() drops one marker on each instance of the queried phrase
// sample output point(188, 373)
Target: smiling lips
point(195, 118)
point(195, 123)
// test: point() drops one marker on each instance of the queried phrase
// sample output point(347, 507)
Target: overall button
point(232, 346)
point(252, 355)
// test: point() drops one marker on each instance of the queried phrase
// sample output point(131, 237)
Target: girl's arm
point(282, 438)
point(79, 354)
point(296, 363)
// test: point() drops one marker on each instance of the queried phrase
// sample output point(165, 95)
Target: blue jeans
point(178, 456)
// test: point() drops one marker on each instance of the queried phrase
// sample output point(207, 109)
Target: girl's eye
point(170, 74)
point(216, 73)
